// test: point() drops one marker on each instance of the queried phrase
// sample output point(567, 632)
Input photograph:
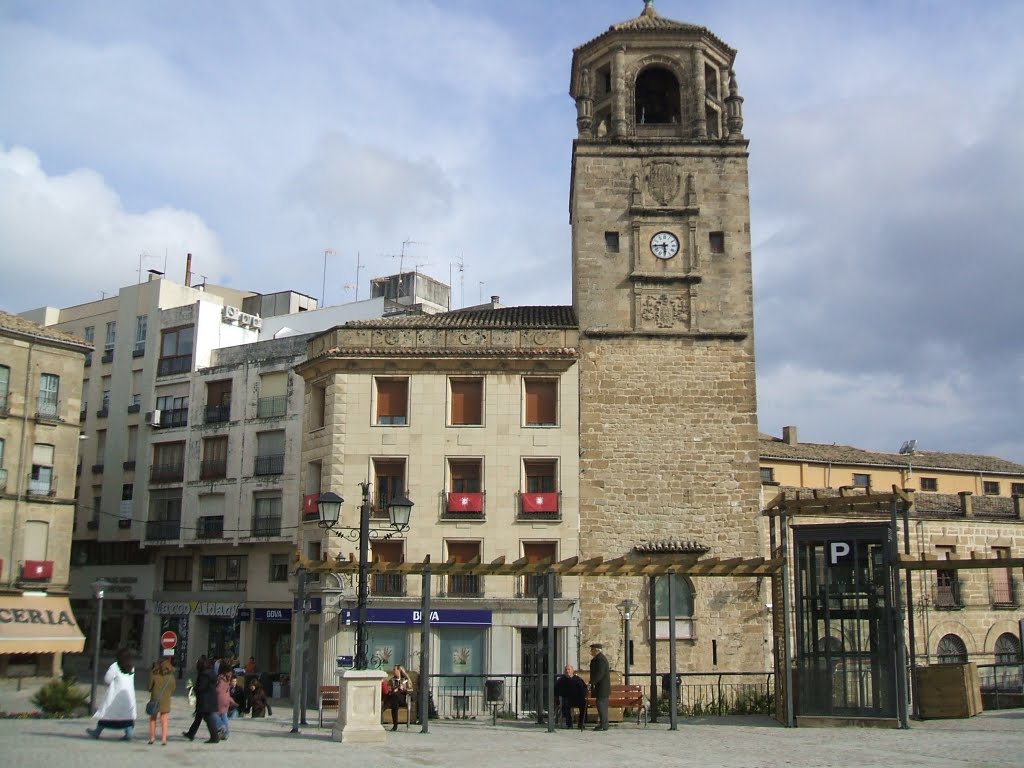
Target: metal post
point(897, 604)
point(625, 640)
point(787, 652)
point(361, 662)
point(538, 673)
point(549, 588)
point(96, 651)
point(910, 614)
point(425, 650)
point(653, 634)
point(673, 695)
point(298, 653)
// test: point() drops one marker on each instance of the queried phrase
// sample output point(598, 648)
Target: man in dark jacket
point(572, 691)
point(206, 702)
point(600, 684)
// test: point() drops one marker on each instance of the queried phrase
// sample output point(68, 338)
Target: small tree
point(61, 698)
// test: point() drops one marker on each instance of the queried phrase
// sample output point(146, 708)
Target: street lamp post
point(626, 608)
point(399, 511)
point(98, 588)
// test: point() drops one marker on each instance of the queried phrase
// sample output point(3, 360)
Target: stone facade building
point(40, 397)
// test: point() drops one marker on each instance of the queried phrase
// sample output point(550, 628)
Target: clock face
point(664, 245)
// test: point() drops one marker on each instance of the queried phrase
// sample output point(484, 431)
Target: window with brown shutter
point(392, 401)
point(388, 584)
point(535, 552)
point(467, 585)
point(389, 482)
point(541, 402)
point(465, 474)
point(467, 401)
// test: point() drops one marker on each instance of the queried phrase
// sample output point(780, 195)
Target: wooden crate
point(948, 690)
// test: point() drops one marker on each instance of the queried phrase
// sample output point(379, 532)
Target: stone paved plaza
point(992, 739)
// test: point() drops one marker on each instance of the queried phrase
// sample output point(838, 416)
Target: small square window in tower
point(467, 398)
point(392, 401)
point(541, 402)
point(716, 242)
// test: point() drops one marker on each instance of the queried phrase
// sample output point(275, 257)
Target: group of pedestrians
point(219, 695)
point(572, 691)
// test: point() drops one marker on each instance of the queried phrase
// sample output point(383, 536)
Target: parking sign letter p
point(837, 549)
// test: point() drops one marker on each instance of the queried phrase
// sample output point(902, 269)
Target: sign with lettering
point(273, 615)
point(837, 550)
point(451, 617)
point(199, 608)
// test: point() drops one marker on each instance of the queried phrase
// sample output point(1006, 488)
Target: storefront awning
point(38, 624)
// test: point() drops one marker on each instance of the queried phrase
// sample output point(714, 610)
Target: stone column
point(619, 94)
point(700, 124)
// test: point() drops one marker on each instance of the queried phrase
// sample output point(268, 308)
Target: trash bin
point(494, 690)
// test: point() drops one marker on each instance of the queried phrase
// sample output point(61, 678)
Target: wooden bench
point(624, 697)
point(329, 699)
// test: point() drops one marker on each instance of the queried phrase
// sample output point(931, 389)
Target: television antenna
point(323, 285)
point(401, 261)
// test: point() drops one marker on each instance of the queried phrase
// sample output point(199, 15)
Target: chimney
point(789, 435)
point(495, 299)
point(967, 503)
point(188, 271)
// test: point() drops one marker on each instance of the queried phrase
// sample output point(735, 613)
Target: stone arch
point(951, 627)
point(1000, 627)
point(952, 649)
point(670, 65)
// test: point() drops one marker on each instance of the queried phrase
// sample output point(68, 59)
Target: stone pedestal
point(359, 707)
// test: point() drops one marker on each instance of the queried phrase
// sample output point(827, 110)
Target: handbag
point(153, 705)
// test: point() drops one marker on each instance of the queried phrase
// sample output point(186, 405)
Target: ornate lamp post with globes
point(356, 723)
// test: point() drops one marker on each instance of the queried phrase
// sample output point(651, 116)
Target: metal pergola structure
point(651, 566)
point(892, 508)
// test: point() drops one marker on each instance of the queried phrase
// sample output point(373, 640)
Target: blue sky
point(886, 159)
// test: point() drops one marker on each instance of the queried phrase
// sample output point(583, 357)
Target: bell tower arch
point(662, 289)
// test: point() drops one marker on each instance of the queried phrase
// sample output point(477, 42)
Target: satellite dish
point(908, 447)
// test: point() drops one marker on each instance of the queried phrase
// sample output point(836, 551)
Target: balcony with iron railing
point(4, 410)
point(167, 473)
point(464, 585)
point(3, 480)
point(42, 486)
point(211, 527)
point(171, 366)
point(218, 414)
point(545, 506)
point(213, 469)
point(1003, 592)
point(163, 530)
point(271, 407)
point(47, 409)
point(263, 527)
point(269, 464)
point(174, 417)
point(458, 505)
point(946, 594)
point(388, 585)
point(533, 585)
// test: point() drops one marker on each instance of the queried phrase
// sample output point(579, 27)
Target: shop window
point(467, 398)
point(392, 401)
point(541, 396)
point(682, 602)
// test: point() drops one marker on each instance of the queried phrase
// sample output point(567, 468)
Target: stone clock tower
point(662, 289)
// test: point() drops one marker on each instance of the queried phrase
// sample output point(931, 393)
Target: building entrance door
point(845, 642)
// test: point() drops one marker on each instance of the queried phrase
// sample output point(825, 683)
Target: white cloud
point(68, 238)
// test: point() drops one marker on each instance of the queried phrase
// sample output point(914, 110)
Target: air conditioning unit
point(231, 313)
point(153, 418)
point(257, 322)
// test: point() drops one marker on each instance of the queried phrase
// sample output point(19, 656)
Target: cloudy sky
point(887, 157)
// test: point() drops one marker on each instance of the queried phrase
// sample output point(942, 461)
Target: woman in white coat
point(118, 709)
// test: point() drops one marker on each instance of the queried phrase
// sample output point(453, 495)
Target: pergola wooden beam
point(625, 566)
point(855, 505)
point(931, 562)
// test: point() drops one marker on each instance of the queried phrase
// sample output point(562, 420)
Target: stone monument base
point(359, 707)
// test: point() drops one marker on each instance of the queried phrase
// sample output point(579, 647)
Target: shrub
point(60, 698)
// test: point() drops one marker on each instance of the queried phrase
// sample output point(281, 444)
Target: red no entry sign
point(168, 640)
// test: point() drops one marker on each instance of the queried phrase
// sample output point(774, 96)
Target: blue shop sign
point(444, 617)
point(244, 614)
point(313, 604)
point(274, 615)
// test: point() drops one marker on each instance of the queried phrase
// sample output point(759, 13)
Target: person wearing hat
point(600, 684)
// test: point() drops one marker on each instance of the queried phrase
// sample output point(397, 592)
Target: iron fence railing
point(163, 530)
point(216, 414)
point(1002, 685)
point(271, 464)
point(719, 693)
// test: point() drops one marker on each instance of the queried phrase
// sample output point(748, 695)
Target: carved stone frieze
point(663, 310)
point(430, 337)
point(471, 338)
